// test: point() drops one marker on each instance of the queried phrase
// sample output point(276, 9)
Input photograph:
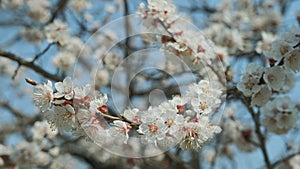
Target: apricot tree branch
point(285, 159)
point(29, 65)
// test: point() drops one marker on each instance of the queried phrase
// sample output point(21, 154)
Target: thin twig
point(285, 159)
point(16, 72)
point(8, 107)
point(37, 56)
point(61, 5)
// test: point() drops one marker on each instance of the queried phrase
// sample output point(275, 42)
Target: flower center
point(203, 105)
point(153, 128)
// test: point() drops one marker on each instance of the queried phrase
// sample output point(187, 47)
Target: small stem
point(37, 56)
point(16, 72)
point(110, 117)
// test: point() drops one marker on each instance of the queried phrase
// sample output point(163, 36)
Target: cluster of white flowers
point(34, 35)
point(251, 85)
point(38, 10)
point(280, 115)
point(80, 5)
point(265, 43)
point(232, 39)
point(41, 129)
point(235, 132)
point(70, 47)
point(38, 153)
point(178, 37)
point(234, 26)
point(285, 50)
point(64, 60)
point(57, 31)
point(30, 154)
point(183, 119)
point(284, 58)
point(6, 67)
point(163, 10)
point(14, 4)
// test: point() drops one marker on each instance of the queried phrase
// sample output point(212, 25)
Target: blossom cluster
point(237, 133)
point(262, 83)
point(184, 119)
point(177, 36)
point(280, 115)
point(42, 151)
point(259, 82)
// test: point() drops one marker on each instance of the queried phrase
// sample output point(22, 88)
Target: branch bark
point(285, 159)
point(30, 65)
point(260, 135)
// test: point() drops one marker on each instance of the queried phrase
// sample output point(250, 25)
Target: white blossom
point(42, 129)
point(33, 35)
point(64, 60)
point(174, 122)
point(280, 115)
point(197, 133)
point(119, 130)
point(80, 5)
point(64, 89)
point(162, 9)
point(57, 31)
point(245, 136)
point(38, 10)
point(76, 47)
point(292, 60)
point(249, 85)
point(4, 150)
point(254, 70)
point(152, 126)
point(62, 118)
point(99, 104)
point(289, 81)
point(43, 96)
point(261, 97)
point(295, 162)
point(14, 4)
point(265, 43)
point(204, 104)
point(28, 155)
point(279, 49)
point(132, 115)
point(203, 87)
point(274, 77)
point(6, 66)
point(102, 77)
point(65, 161)
point(82, 93)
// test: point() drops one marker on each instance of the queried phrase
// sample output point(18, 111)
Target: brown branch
point(37, 56)
point(22, 120)
point(29, 65)
point(285, 159)
point(177, 161)
point(82, 154)
point(61, 5)
point(261, 137)
point(8, 107)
